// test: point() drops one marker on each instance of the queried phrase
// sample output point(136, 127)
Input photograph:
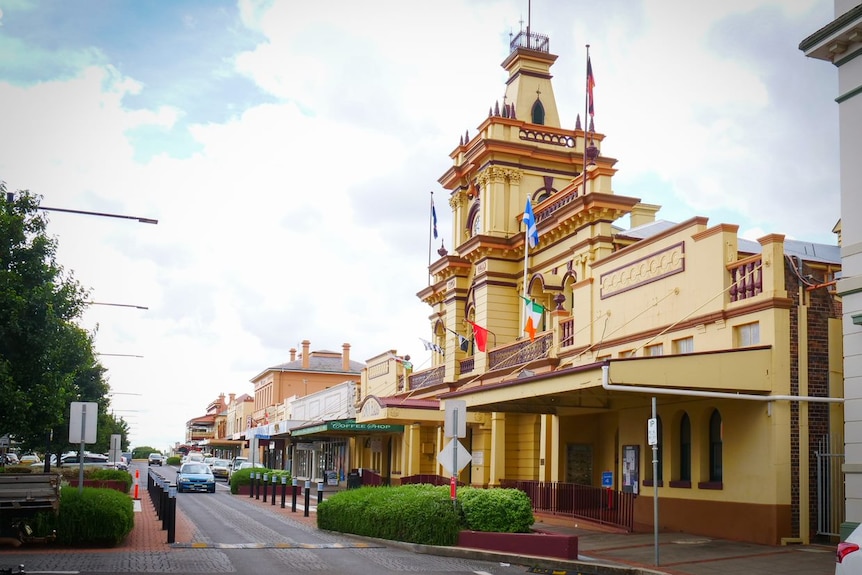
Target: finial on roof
point(461, 141)
point(592, 126)
point(466, 136)
point(512, 111)
point(496, 108)
point(578, 122)
point(442, 251)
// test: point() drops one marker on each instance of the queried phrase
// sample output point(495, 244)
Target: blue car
point(195, 476)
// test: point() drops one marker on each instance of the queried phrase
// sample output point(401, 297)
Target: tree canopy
point(47, 360)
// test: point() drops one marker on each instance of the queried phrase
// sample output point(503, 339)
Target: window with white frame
point(684, 345)
point(747, 334)
point(653, 350)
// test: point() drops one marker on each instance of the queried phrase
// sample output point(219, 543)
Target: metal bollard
point(274, 478)
point(319, 492)
point(251, 485)
point(283, 489)
point(164, 504)
point(172, 513)
point(265, 485)
point(307, 497)
point(257, 486)
point(293, 504)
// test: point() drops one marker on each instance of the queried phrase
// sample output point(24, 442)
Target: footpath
point(601, 551)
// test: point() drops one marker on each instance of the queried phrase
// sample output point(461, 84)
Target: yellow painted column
point(498, 448)
point(412, 449)
point(545, 453)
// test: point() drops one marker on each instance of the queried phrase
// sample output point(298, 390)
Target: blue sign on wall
point(607, 478)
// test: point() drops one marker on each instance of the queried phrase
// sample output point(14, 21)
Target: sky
point(290, 150)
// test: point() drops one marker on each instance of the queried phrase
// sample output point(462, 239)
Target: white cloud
point(304, 215)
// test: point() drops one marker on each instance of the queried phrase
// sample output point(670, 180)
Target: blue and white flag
point(530, 222)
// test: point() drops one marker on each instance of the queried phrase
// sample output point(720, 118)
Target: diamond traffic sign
point(456, 453)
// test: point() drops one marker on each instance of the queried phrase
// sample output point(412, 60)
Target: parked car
point(236, 461)
point(29, 459)
point(155, 459)
point(90, 460)
point(209, 461)
point(221, 469)
point(10, 458)
point(195, 476)
point(247, 465)
point(848, 557)
point(195, 456)
point(122, 464)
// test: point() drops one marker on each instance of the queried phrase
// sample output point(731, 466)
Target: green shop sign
point(349, 425)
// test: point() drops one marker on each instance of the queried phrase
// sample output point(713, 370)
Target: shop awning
point(346, 427)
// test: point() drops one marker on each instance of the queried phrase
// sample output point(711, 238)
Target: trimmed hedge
point(412, 513)
point(425, 514)
point(173, 460)
point(496, 510)
point(93, 517)
point(243, 477)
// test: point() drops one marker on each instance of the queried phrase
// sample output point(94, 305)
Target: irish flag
point(532, 316)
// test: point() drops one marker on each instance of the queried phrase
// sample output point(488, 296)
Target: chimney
point(231, 398)
point(643, 214)
point(345, 357)
point(293, 354)
point(305, 344)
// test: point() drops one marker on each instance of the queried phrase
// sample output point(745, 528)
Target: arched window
point(685, 448)
point(715, 455)
point(538, 112)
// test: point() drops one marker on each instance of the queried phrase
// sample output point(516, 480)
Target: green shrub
point(94, 517)
point(243, 477)
point(173, 460)
point(17, 469)
point(112, 475)
point(413, 513)
point(496, 510)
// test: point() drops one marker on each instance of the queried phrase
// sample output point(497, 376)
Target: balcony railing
point(530, 41)
point(521, 352)
point(467, 365)
point(746, 278)
point(428, 377)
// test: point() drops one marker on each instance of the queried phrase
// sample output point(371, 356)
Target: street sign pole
point(454, 482)
point(654, 441)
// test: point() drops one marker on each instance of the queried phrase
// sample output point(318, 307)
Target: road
point(236, 534)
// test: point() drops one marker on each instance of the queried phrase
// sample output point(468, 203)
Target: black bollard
point(283, 489)
point(265, 485)
point(257, 486)
point(293, 504)
point(319, 492)
point(307, 498)
point(274, 483)
point(251, 486)
point(172, 514)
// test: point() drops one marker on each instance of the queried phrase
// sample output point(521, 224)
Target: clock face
point(477, 224)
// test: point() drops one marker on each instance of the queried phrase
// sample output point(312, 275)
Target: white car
point(848, 556)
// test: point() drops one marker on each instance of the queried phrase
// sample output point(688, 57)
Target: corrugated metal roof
point(808, 251)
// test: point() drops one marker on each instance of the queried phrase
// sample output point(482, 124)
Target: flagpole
point(586, 117)
point(430, 233)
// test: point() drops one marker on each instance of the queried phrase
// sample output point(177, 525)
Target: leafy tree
point(143, 451)
point(46, 359)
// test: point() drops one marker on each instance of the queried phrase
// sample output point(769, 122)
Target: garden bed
point(536, 543)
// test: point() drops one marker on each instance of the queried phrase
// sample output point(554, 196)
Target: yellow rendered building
point(736, 343)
